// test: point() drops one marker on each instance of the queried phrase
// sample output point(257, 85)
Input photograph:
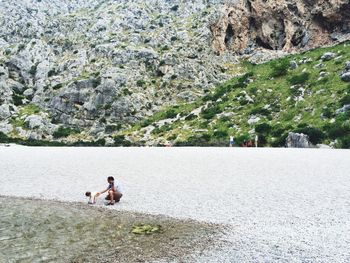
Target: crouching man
point(113, 190)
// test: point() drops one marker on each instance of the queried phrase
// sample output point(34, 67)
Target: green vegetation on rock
point(269, 100)
point(142, 229)
point(62, 132)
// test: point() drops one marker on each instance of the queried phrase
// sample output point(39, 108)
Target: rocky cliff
point(280, 25)
point(83, 70)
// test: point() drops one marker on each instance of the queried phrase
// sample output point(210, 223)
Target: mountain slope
point(73, 71)
point(307, 93)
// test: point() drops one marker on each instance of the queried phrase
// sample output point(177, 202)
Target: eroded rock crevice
point(280, 25)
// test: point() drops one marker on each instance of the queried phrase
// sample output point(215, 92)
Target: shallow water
point(42, 231)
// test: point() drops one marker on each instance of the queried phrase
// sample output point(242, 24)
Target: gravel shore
point(280, 205)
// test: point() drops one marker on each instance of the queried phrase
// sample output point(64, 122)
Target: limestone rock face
point(279, 24)
point(106, 62)
point(297, 140)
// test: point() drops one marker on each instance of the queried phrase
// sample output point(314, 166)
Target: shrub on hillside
point(220, 134)
point(121, 141)
point(141, 83)
point(345, 142)
point(195, 140)
point(146, 123)
point(279, 68)
point(210, 112)
point(112, 128)
point(337, 130)
point(33, 69)
point(279, 141)
point(170, 114)
point(52, 72)
point(162, 129)
point(327, 112)
point(260, 110)
point(263, 128)
point(190, 117)
point(100, 142)
point(63, 132)
point(17, 99)
point(57, 86)
point(299, 79)
point(241, 138)
point(280, 134)
point(345, 100)
point(3, 138)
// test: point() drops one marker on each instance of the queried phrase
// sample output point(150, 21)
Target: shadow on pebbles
point(46, 231)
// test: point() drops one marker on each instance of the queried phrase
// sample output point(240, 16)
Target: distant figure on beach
point(92, 197)
point(249, 143)
point(232, 141)
point(114, 191)
point(256, 140)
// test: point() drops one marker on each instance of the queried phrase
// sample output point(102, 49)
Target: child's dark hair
point(88, 193)
point(110, 178)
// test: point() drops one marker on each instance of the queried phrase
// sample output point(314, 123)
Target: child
point(114, 192)
point(92, 197)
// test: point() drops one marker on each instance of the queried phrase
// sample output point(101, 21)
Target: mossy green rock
point(144, 229)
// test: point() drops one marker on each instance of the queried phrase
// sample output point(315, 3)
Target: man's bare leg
point(111, 197)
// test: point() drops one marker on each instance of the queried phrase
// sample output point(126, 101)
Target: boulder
point(293, 64)
point(253, 120)
point(28, 92)
point(187, 96)
point(109, 141)
point(323, 74)
point(298, 140)
point(34, 121)
point(343, 109)
point(347, 65)
point(328, 56)
point(4, 111)
point(6, 128)
point(345, 76)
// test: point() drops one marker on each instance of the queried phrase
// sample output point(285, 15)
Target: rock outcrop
point(280, 24)
point(297, 140)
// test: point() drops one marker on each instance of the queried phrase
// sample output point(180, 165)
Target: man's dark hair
point(88, 193)
point(110, 178)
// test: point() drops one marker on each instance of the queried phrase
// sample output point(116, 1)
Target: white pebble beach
point(279, 205)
